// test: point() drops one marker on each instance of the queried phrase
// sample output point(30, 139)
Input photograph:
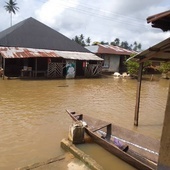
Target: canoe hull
point(119, 153)
point(131, 157)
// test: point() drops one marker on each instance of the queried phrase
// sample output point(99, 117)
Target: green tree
point(125, 45)
point(79, 40)
point(139, 46)
point(11, 7)
point(104, 43)
point(133, 67)
point(116, 42)
point(95, 43)
point(165, 70)
point(76, 39)
point(88, 40)
point(136, 46)
point(81, 37)
point(164, 67)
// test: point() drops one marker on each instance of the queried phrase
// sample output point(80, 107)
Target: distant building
point(114, 57)
point(32, 49)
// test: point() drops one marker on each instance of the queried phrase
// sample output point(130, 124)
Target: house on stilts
point(31, 49)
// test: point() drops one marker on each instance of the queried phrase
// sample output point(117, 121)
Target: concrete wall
point(114, 62)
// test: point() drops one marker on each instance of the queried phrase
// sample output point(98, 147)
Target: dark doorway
point(122, 65)
point(79, 68)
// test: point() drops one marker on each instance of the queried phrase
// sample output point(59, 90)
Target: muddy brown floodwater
point(33, 120)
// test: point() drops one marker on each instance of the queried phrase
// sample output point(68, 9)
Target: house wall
point(111, 63)
point(70, 69)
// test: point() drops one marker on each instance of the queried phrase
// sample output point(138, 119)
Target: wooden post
point(109, 131)
point(164, 152)
point(138, 95)
point(35, 67)
point(3, 68)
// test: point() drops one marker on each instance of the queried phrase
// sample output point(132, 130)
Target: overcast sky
point(101, 20)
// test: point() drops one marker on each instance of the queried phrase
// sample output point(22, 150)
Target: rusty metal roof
point(19, 52)
point(161, 20)
point(109, 49)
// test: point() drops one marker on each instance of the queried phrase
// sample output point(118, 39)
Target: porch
point(41, 63)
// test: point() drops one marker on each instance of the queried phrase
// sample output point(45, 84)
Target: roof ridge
point(32, 33)
point(12, 28)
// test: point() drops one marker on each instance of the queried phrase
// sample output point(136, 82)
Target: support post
point(109, 131)
point(164, 152)
point(3, 68)
point(35, 67)
point(136, 117)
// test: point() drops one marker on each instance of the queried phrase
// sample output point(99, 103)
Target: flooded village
point(44, 73)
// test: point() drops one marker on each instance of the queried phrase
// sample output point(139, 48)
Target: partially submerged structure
point(32, 49)
point(113, 57)
point(158, 52)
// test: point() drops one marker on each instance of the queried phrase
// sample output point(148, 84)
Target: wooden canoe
point(136, 149)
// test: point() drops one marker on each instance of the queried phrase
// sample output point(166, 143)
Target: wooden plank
point(93, 70)
point(94, 129)
point(55, 70)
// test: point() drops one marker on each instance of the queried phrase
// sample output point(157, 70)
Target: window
point(106, 61)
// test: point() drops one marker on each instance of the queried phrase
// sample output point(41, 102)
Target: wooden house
point(113, 57)
point(32, 49)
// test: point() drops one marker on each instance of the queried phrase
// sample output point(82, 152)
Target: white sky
point(101, 20)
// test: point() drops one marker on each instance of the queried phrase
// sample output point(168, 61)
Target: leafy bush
point(133, 67)
point(164, 67)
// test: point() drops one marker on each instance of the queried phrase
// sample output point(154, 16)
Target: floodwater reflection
point(33, 118)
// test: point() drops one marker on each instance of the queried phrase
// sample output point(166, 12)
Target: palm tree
point(11, 7)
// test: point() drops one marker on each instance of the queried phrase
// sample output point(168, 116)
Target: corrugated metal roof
point(93, 48)
point(114, 50)
point(109, 49)
point(19, 52)
point(158, 52)
point(78, 55)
